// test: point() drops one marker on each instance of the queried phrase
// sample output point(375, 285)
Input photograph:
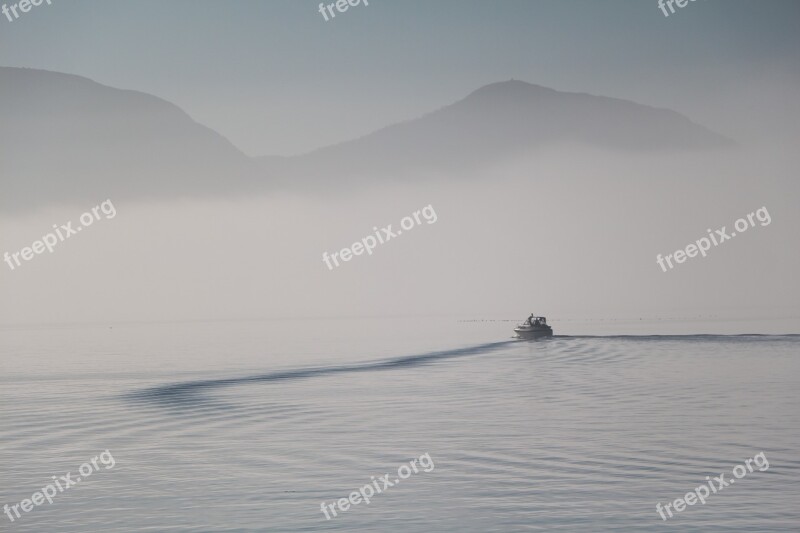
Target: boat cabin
point(536, 320)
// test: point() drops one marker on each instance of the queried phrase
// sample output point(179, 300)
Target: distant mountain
point(501, 120)
point(67, 139)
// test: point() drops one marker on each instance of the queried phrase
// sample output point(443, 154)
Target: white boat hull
point(533, 332)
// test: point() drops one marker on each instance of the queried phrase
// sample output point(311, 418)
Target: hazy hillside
point(67, 139)
point(500, 120)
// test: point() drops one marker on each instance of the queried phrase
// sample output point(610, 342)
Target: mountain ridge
point(66, 139)
point(507, 98)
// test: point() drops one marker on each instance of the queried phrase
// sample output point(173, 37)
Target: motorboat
point(534, 327)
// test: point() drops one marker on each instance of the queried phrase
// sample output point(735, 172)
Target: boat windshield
point(535, 321)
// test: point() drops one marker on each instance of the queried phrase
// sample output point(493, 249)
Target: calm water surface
point(249, 426)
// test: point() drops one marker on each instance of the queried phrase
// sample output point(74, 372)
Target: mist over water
point(556, 231)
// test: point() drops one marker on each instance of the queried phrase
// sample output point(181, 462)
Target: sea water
point(252, 425)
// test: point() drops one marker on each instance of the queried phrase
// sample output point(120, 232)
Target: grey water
point(252, 425)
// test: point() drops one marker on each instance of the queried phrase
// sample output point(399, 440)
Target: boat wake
point(194, 392)
point(197, 393)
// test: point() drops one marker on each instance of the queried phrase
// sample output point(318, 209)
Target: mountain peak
point(512, 85)
point(510, 89)
point(499, 121)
